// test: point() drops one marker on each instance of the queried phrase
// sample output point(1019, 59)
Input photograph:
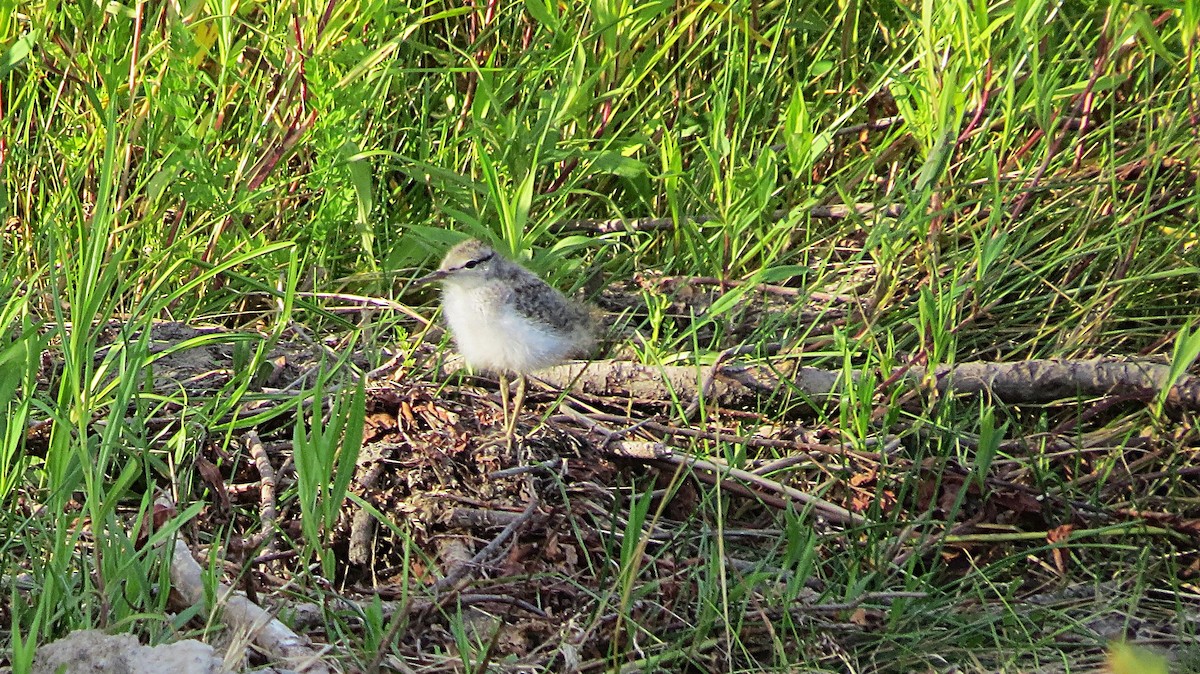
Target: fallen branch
point(272, 636)
point(766, 288)
point(657, 224)
point(367, 470)
point(267, 489)
point(1031, 381)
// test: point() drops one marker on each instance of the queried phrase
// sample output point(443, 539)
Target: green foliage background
point(1024, 171)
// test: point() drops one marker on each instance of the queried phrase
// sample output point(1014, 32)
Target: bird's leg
point(511, 426)
point(504, 397)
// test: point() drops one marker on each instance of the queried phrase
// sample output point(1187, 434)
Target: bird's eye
point(471, 264)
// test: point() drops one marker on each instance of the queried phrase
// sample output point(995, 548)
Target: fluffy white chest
point(492, 335)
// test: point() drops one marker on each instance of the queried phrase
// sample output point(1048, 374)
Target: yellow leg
point(504, 397)
point(510, 426)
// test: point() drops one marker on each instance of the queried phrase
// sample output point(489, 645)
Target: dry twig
point(266, 490)
point(657, 451)
point(456, 574)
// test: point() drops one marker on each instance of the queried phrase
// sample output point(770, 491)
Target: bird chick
point(506, 320)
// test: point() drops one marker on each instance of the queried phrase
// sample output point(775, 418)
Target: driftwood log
point(1030, 381)
point(275, 639)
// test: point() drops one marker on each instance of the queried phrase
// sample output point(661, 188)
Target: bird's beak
point(435, 276)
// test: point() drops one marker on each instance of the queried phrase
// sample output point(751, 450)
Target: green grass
point(222, 162)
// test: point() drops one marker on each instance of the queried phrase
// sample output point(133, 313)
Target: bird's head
point(469, 262)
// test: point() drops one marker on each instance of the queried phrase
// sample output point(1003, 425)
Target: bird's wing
point(540, 301)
